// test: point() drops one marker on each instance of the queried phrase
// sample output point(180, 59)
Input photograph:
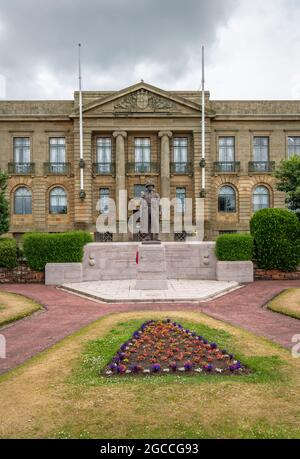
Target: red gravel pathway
point(66, 313)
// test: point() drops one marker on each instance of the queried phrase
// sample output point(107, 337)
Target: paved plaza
point(178, 290)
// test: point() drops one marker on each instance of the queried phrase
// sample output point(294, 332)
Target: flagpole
point(203, 124)
point(81, 162)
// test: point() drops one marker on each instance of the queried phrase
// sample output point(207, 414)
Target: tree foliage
point(4, 212)
point(288, 176)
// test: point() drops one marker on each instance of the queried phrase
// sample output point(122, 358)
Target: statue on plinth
point(149, 212)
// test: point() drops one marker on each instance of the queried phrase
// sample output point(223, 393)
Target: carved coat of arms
point(142, 99)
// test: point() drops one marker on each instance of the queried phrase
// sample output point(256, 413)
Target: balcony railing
point(57, 168)
point(21, 168)
point(104, 168)
point(225, 167)
point(261, 166)
point(181, 168)
point(142, 168)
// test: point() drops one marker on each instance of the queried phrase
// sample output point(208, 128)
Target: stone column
point(165, 163)
point(120, 137)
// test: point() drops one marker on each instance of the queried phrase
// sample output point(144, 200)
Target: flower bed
point(165, 347)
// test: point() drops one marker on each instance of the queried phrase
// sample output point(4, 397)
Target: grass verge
point(287, 303)
point(14, 307)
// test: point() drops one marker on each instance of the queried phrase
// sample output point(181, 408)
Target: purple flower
point(205, 341)
point(156, 367)
point(122, 355)
point(136, 335)
point(231, 356)
point(224, 352)
point(113, 366)
point(232, 368)
point(188, 366)
point(121, 369)
point(213, 346)
point(200, 338)
point(135, 368)
point(208, 367)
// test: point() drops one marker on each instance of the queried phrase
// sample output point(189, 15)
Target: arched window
point(23, 201)
point(227, 199)
point(58, 201)
point(261, 198)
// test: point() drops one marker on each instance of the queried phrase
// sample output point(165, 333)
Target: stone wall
point(22, 274)
point(275, 274)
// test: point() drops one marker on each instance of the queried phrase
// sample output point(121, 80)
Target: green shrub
point(234, 247)
point(8, 253)
point(276, 235)
point(42, 248)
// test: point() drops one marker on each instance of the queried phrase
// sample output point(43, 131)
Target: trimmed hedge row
point(8, 253)
point(234, 247)
point(42, 248)
point(276, 235)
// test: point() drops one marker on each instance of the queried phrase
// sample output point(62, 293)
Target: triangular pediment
point(141, 98)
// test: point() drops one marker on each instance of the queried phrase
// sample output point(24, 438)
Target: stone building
point(136, 134)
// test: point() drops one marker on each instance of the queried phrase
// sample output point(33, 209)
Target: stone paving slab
point(124, 290)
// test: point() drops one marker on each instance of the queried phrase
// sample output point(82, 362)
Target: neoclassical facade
point(136, 134)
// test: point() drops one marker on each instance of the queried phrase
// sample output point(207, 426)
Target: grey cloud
point(116, 36)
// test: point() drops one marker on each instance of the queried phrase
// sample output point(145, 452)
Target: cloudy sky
point(252, 47)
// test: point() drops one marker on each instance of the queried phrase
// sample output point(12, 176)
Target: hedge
point(42, 248)
point(276, 235)
point(8, 253)
point(234, 247)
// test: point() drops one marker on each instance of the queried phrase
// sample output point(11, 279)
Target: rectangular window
point(22, 154)
point(226, 149)
point(261, 149)
point(57, 154)
point(104, 154)
point(142, 154)
point(180, 153)
point(293, 146)
point(104, 200)
point(180, 195)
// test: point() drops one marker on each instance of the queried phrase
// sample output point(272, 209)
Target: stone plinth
point(151, 269)
point(239, 271)
point(59, 273)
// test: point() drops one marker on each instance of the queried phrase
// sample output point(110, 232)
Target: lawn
point(61, 394)
point(287, 303)
point(14, 307)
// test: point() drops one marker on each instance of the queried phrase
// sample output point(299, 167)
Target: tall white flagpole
point(203, 123)
point(80, 122)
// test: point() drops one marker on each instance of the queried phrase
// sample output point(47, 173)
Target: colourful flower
point(155, 367)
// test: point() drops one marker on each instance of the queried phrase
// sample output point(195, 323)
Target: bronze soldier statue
point(150, 212)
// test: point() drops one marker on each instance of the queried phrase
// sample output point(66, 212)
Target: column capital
point(120, 133)
point(165, 134)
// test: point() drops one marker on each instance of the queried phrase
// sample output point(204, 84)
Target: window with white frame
point(22, 154)
point(104, 200)
point(227, 199)
point(57, 154)
point(23, 201)
point(142, 154)
point(58, 203)
point(104, 154)
point(261, 198)
point(260, 149)
point(293, 146)
point(226, 149)
point(180, 153)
